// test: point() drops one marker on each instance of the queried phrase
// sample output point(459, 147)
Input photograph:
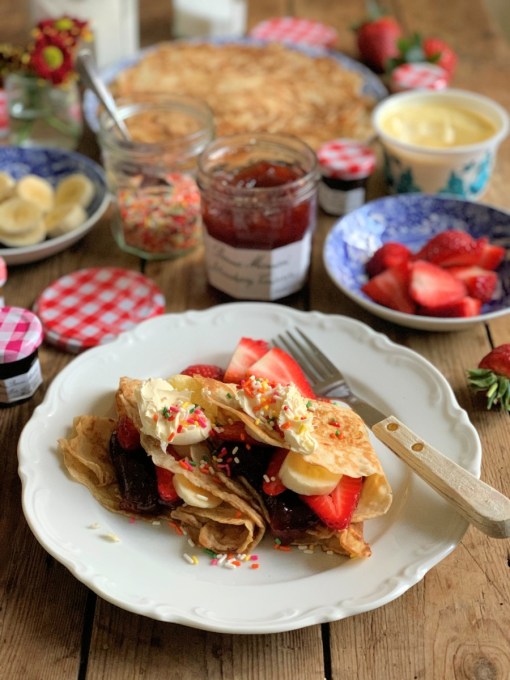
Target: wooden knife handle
point(479, 503)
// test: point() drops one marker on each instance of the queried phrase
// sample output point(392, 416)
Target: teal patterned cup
point(440, 142)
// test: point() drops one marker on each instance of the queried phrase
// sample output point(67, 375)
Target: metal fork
point(480, 504)
point(325, 378)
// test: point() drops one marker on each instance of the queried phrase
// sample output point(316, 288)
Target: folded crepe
point(235, 525)
point(238, 522)
point(342, 444)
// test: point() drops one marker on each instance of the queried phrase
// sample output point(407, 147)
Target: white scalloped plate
point(290, 589)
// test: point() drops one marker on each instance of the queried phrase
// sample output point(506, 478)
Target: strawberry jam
point(263, 227)
point(259, 204)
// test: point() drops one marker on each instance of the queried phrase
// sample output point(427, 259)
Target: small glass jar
point(345, 166)
point(259, 210)
point(4, 115)
point(20, 337)
point(43, 114)
point(152, 176)
point(3, 280)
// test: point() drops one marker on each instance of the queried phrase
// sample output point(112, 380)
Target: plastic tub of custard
point(440, 142)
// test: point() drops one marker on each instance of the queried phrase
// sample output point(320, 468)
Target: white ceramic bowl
point(412, 219)
point(53, 165)
point(460, 170)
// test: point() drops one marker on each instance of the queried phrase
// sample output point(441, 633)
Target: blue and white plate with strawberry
point(421, 261)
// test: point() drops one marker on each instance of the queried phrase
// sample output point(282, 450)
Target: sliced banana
point(75, 188)
point(197, 452)
point(36, 190)
point(194, 495)
point(304, 478)
point(25, 238)
point(18, 216)
point(64, 218)
point(7, 185)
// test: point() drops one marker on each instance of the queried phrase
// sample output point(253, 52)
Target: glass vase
point(43, 114)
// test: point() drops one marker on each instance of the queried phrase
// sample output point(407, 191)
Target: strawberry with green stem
point(493, 377)
point(377, 38)
point(418, 49)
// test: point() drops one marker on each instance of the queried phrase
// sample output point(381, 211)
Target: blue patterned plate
point(412, 219)
point(53, 165)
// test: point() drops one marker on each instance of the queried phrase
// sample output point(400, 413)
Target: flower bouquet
point(40, 82)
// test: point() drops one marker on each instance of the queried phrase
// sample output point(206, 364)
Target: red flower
point(68, 29)
point(51, 59)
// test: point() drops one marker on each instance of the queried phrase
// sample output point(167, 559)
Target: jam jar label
point(338, 202)
point(252, 274)
point(21, 386)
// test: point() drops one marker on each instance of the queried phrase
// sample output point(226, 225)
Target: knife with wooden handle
point(480, 504)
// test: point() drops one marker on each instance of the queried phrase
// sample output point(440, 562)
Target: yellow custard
point(437, 125)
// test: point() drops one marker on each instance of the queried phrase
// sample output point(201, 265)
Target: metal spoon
point(86, 67)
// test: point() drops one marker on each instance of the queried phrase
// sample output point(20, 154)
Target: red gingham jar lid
point(3, 271)
point(90, 307)
point(418, 76)
point(346, 159)
point(21, 334)
point(294, 30)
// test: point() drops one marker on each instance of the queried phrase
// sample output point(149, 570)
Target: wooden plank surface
point(454, 624)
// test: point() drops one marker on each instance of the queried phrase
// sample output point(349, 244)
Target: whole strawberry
point(377, 39)
point(417, 49)
point(493, 376)
point(439, 52)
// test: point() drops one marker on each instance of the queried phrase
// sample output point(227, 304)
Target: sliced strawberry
point(232, 432)
point(465, 307)
point(245, 354)
point(205, 370)
point(279, 367)
point(272, 484)
point(451, 248)
point(127, 434)
point(391, 289)
point(432, 286)
point(480, 283)
point(390, 254)
point(165, 482)
point(336, 509)
point(491, 256)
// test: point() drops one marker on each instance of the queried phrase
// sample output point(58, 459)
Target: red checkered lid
point(3, 271)
point(418, 76)
point(346, 159)
point(294, 30)
point(90, 307)
point(21, 334)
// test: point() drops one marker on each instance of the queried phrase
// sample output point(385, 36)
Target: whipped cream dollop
point(170, 415)
point(281, 408)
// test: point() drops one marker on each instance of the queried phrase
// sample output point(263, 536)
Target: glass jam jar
point(259, 210)
point(3, 280)
point(345, 166)
point(20, 337)
point(152, 176)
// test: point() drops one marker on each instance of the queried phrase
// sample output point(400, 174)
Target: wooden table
point(454, 624)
